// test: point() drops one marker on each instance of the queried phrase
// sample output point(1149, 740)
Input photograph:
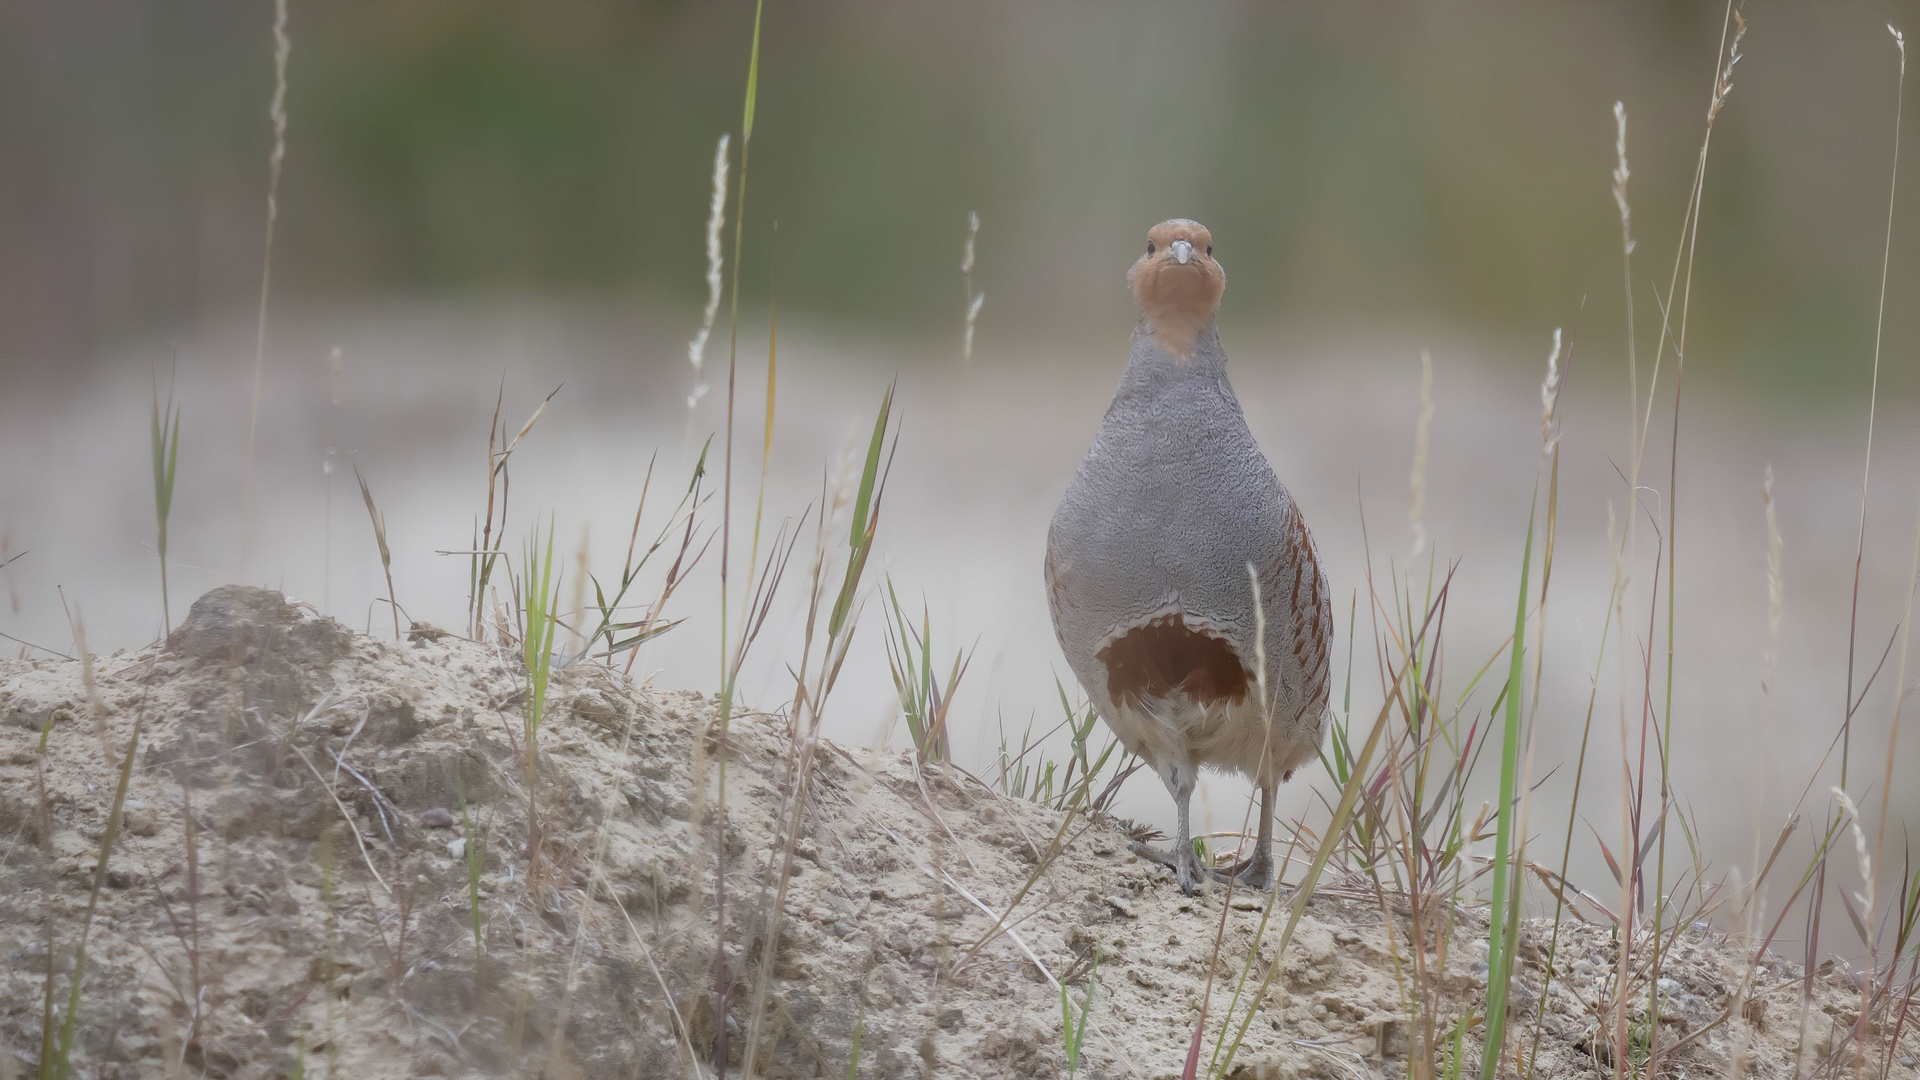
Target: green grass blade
point(1499, 948)
point(860, 536)
point(61, 1063)
point(753, 77)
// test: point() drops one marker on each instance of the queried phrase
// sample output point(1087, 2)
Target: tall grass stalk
point(727, 674)
point(326, 475)
point(973, 300)
point(1722, 87)
point(1417, 480)
point(814, 681)
point(1727, 55)
point(277, 113)
point(1913, 573)
point(1862, 1025)
point(166, 460)
point(1331, 839)
point(1573, 802)
point(1220, 929)
point(379, 520)
point(474, 856)
point(56, 1060)
point(716, 222)
point(1619, 598)
point(1503, 915)
point(1873, 397)
point(646, 629)
point(1410, 832)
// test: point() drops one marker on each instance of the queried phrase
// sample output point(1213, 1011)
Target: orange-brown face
point(1178, 283)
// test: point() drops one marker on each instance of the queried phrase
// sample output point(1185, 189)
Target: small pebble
point(457, 848)
point(1583, 967)
point(437, 818)
point(140, 820)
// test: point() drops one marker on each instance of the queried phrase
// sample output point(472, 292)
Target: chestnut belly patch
point(1165, 654)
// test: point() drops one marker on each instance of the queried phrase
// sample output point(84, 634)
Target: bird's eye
point(1209, 249)
point(1149, 247)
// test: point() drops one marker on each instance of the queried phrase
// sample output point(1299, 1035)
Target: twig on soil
point(1008, 930)
point(344, 816)
point(380, 802)
point(666, 995)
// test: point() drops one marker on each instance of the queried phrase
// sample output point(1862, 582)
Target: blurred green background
point(1440, 166)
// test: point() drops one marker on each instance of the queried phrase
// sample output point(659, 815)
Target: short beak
point(1182, 252)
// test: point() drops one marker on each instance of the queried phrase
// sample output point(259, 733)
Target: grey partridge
point(1149, 560)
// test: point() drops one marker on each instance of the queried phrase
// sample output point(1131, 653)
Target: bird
point(1152, 561)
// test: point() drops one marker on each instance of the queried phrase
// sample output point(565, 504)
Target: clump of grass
point(473, 854)
point(1053, 782)
point(166, 459)
point(924, 700)
point(330, 943)
point(1074, 1033)
point(490, 534)
point(191, 996)
point(539, 595)
point(859, 1030)
point(1017, 778)
point(613, 634)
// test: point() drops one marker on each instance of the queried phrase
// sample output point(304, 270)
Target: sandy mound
point(326, 922)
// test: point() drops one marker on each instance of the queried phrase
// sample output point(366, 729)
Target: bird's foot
point(1182, 860)
point(1254, 872)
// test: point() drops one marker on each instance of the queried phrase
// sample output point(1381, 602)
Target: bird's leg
point(1179, 778)
point(1256, 871)
point(1188, 870)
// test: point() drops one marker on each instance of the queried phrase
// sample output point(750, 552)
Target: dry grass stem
point(277, 113)
point(716, 223)
point(1417, 483)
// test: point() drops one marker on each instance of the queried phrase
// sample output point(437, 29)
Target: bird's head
point(1178, 283)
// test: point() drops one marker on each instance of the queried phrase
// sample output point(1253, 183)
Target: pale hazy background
point(482, 192)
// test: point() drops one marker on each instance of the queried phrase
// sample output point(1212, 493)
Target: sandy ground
point(325, 921)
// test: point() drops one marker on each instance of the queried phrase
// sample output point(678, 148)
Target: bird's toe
point(1183, 862)
point(1251, 874)
point(1191, 872)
